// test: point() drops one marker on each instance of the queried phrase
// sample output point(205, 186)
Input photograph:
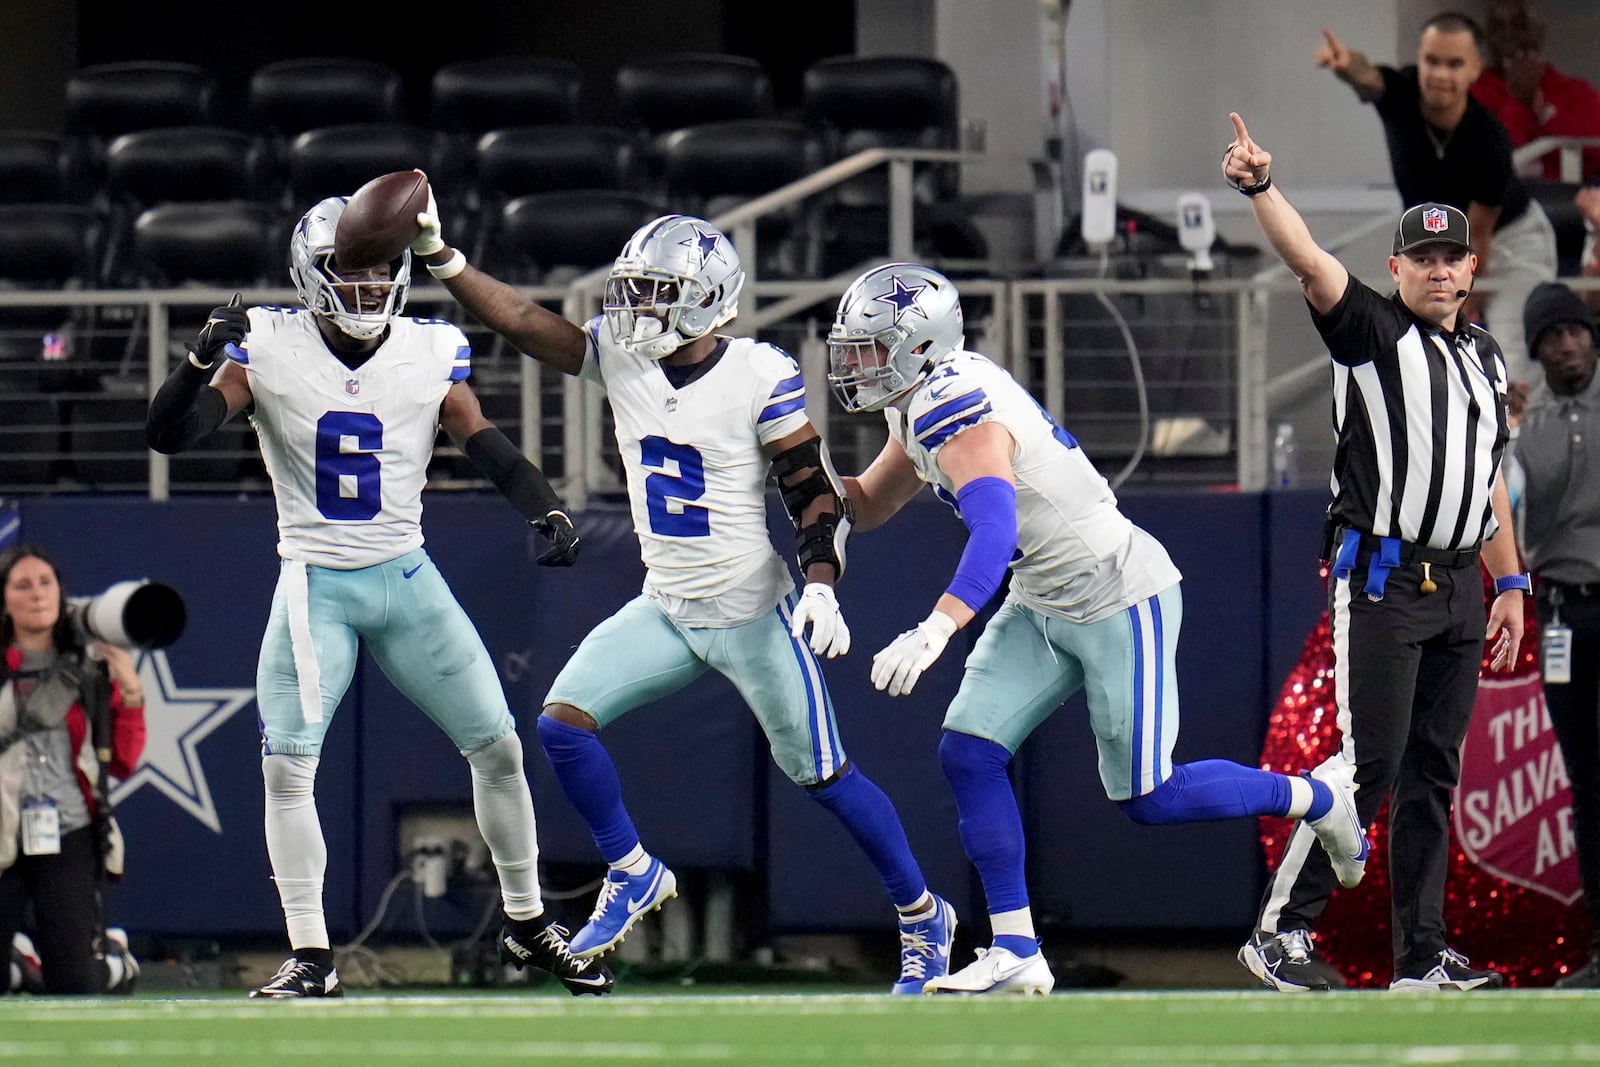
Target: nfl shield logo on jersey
point(1434, 219)
point(352, 386)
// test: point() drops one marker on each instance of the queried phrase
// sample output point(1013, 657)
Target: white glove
point(898, 667)
point(829, 635)
point(428, 241)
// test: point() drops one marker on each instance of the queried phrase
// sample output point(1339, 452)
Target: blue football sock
point(1321, 798)
point(991, 825)
point(1021, 947)
point(1209, 790)
point(589, 778)
point(871, 819)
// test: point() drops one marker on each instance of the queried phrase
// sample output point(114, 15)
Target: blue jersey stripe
point(1136, 748)
point(933, 440)
point(947, 409)
point(787, 386)
point(1160, 680)
point(460, 372)
point(782, 408)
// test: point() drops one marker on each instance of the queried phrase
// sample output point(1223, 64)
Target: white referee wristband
point(449, 268)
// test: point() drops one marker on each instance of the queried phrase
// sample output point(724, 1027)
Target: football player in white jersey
point(1094, 604)
point(702, 420)
point(347, 397)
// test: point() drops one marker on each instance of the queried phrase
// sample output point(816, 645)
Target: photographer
point(56, 833)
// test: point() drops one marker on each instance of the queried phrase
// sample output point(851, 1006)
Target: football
point(380, 221)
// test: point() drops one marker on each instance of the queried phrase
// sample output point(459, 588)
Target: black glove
point(558, 530)
point(227, 325)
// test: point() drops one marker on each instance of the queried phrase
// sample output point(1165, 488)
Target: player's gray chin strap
point(804, 474)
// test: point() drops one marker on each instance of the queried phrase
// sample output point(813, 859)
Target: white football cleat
point(998, 970)
point(1340, 830)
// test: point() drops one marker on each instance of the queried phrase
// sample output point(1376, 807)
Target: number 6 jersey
point(697, 475)
point(348, 450)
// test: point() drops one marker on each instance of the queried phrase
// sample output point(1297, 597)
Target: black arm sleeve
point(184, 410)
point(518, 480)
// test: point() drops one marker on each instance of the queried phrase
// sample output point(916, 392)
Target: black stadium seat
point(574, 230)
point(294, 95)
point(477, 95)
point(338, 160)
point(685, 89)
point(113, 98)
point(33, 167)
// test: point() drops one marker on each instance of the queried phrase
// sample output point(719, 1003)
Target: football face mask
point(677, 279)
point(361, 305)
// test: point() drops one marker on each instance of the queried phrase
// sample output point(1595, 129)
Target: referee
point(1419, 408)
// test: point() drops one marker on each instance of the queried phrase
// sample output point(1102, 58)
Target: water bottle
point(1285, 467)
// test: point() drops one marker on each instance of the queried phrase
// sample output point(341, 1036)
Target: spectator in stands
point(1445, 147)
point(1531, 98)
point(1558, 452)
point(57, 840)
point(1588, 201)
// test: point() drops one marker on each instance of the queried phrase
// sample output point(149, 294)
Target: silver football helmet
point(315, 277)
point(894, 323)
point(677, 279)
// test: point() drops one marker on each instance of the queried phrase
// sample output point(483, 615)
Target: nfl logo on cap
point(1434, 219)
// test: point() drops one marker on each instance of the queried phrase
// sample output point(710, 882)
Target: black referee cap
point(1428, 224)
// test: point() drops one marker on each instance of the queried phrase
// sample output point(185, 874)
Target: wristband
point(1519, 582)
point(449, 268)
point(1258, 188)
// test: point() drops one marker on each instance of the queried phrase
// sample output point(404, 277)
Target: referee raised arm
point(1419, 410)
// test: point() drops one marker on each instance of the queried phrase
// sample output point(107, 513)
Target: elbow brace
point(805, 475)
point(518, 480)
point(184, 410)
point(989, 508)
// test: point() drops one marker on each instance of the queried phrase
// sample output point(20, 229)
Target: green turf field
point(719, 1028)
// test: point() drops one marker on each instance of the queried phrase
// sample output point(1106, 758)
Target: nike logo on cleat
point(598, 979)
point(515, 948)
point(413, 570)
point(635, 903)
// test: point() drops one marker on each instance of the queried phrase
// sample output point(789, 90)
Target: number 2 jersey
point(348, 450)
point(1078, 557)
point(697, 474)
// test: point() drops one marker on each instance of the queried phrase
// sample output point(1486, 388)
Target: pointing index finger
point(1240, 134)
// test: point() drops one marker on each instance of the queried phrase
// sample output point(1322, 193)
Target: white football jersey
point(348, 450)
point(697, 475)
point(1078, 557)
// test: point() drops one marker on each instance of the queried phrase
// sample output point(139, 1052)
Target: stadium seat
point(555, 233)
point(338, 160)
point(1557, 200)
point(113, 98)
point(521, 160)
point(860, 102)
point(294, 95)
point(168, 165)
point(713, 167)
point(49, 247)
point(668, 92)
point(232, 243)
point(477, 95)
point(685, 89)
point(30, 438)
point(33, 167)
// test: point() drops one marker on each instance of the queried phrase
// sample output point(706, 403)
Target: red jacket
point(1571, 109)
point(127, 736)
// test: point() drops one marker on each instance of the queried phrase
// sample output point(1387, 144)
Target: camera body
point(132, 614)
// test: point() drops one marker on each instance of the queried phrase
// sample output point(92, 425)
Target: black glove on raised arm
point(226, 325)
point(563, 537)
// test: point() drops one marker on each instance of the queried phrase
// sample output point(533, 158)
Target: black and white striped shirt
point(1420, 416)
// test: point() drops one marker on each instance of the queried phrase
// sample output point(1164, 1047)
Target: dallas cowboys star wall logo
point(903, 298)
point(177, 720)
point(706, 243)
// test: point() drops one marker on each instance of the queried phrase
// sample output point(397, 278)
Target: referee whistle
point(1428, 584)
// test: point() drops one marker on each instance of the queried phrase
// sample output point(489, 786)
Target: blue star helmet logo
point(903, 297)
point(707, 243)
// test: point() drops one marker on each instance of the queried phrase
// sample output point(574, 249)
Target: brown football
point(380, 221)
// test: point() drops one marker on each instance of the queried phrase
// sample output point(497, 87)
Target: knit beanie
point(1552, 304)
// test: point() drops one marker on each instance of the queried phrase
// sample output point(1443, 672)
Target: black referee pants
point(1406, 680)
point(64, 889)
point(1575, 714)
